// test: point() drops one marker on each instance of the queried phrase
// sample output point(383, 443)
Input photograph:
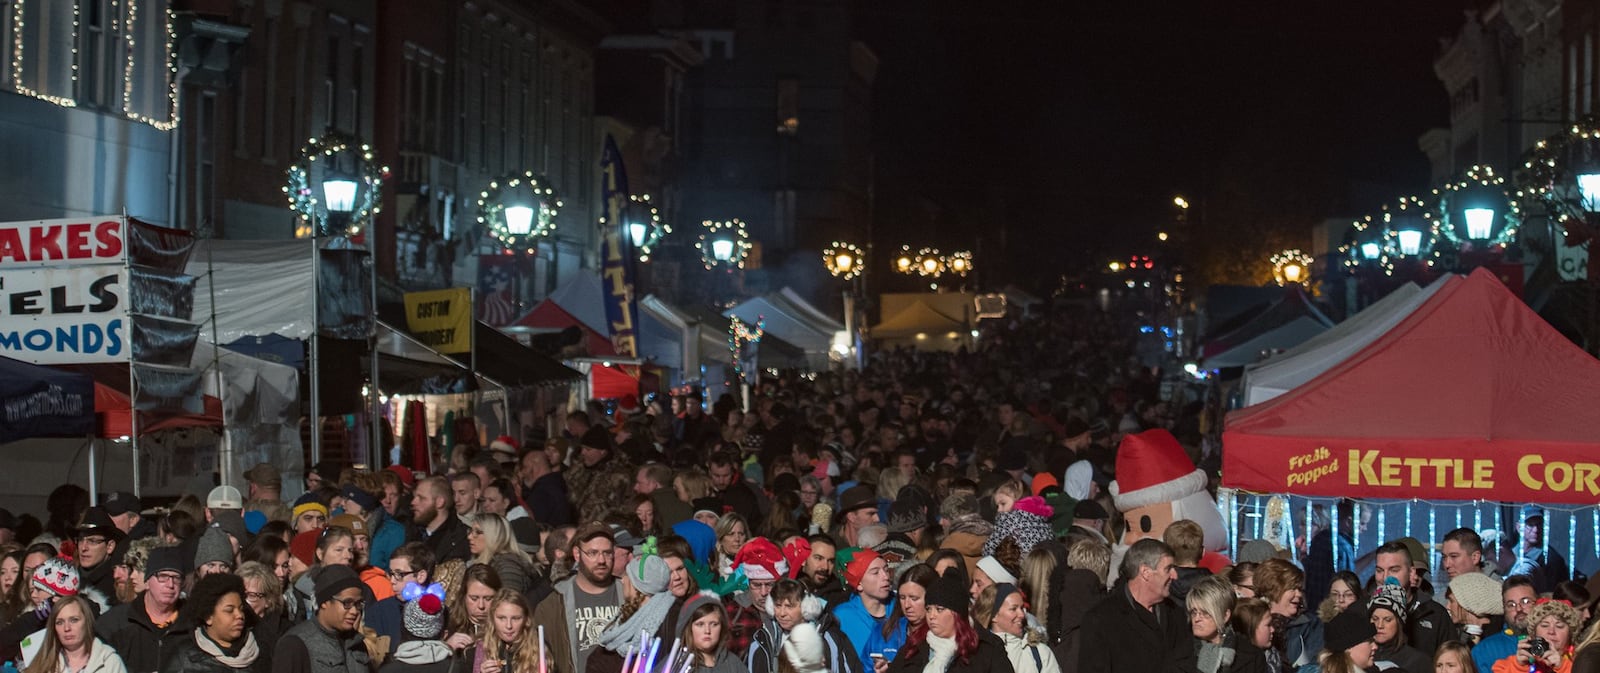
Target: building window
point(358, 82)
point(99, 53)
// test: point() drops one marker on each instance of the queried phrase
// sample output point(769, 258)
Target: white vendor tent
point(796, 321)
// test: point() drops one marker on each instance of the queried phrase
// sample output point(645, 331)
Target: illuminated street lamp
point(334, 186)
point(929, 263)
point(844, 260)
point(725, 244)
point(518, 209)
point(959, 263)
point(1291, 267)
point(1477, 212)
point(642, 226)
point(904, 262)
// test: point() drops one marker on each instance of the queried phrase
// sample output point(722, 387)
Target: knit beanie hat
point(805, 650)
point(1026, 528)
point(304, 546)
point(949, 592)
point(308, 503)
point(57, 576)
point(213, 546)
point(650, 575)
point(330, 580)
point(162, 559)
point(360, 496)
point(1560, 609)
point(1477, 593)
point(423, 614)
point(1348, 629)
point(905, 515)
point(1392, 598)
point(694, 603)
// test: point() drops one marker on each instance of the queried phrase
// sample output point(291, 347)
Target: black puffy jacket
point(144, 646)
point(187, 657)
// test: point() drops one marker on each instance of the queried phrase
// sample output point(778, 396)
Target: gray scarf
point(247, 654)
point(646, 619)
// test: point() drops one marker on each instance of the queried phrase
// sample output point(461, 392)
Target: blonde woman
point(70, 645)
point(511, 644)
point(732, 532)
point(491, 541)
point(1002, 610)
point(692, 485)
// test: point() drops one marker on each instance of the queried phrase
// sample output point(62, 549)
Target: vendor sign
point(64, 315)
point(441, 319)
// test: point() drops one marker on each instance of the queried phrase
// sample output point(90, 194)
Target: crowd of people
point(930, 512)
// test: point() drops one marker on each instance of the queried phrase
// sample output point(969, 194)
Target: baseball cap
point(264, 474)
point(225, 497)
point(120, 503)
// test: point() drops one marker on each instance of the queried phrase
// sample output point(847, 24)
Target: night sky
point(1069, 126)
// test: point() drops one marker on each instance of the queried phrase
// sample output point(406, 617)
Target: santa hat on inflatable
point(1153, 468)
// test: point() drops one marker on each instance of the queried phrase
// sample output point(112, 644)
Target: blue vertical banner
point(616, 270)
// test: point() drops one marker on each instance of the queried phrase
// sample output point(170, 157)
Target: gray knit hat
point(649, 575)
point(424, 617)
point(213, 546)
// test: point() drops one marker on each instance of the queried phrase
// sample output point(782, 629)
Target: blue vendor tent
point(38, 401)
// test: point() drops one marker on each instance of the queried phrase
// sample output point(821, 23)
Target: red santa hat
point(1153, 468)
point(761, 560)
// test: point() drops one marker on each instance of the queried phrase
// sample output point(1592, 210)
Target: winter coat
point(143, 646)
point(1080, 590)
point(601, 488)
point(989, 657)
point(187, 657)
point(389, 535)
point(726, 662)
point(1407, 658)
point(1028, 657)
point(384, 618)
point(970, 546)
point(1120, 635)
point(103, 658)
point(448, 542)
point(309, 648)
point(669, 509)
point(552, 613)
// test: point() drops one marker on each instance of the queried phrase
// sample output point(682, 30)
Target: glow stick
point(650, 663)
point(627, 659)
point(541, 649)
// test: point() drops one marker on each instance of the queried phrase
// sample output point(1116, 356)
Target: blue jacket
point(889, 646)
point(858, 625)
point(1494, 647)
point(384, 617)
point(389, 536)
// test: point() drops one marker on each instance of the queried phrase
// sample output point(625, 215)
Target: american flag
point(497, 305)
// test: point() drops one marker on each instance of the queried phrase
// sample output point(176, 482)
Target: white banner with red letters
point(63, 291)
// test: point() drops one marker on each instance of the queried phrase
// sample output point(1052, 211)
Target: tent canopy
point(584, 296)
point(512, 363)
point(1266, 380)
point(550, 315)
point(1285, 324)
point(41, 401)
point(1471, 396)
point(916, 318)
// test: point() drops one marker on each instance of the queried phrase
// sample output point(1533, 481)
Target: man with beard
point(817, 570)
point(331, 642)
point(1136, 627)
point(97, 537)
point(581, 606)
point(146, 630)
point(435, 524)
point(1517, 596)
point(868, 610)
point(731, 487)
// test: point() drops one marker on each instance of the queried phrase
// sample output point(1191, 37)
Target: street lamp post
point(1564, 172)
point(341, 169)
point(846, 262)
point(724, 246)
point(518, 209)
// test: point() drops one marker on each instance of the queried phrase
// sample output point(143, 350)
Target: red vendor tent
point(1473, 396)
point(549, 315)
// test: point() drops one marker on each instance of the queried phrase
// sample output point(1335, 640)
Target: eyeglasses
point(400, 575)
point(254, 596)
point(1197, 612)
point(167, 578)
point(1525, 602)
point(351, 603)
point(593, 554)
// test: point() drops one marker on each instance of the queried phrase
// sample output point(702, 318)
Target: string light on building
point(518, 209)
point(844, 260)
point(742, 335)
point(1291, 267)
point(334, 186)
point(724, 243)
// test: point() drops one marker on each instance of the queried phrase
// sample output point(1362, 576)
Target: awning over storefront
point(1471, 397)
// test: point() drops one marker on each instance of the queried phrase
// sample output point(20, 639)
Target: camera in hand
point(1537, 647)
